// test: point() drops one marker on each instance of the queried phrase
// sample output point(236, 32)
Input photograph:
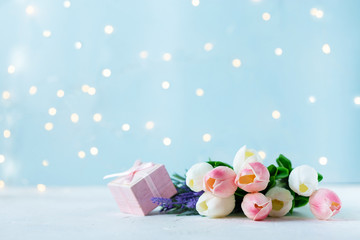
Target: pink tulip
point(220, 182)
point(324, 203)
point(256, 206)
point(253, 178)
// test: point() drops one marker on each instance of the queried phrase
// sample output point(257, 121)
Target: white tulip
point(303, 180)
point(281, 201)
point(243, 157)
point(215, 207)
point(195, 176)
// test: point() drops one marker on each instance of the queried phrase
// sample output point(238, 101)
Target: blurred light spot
point(165, 85)
point(357, 100)
point(52, 111)
point(313, 11)
point(125, 127)
point(78, 45)
point(312, 99)
point(32, 90)
point(262, 154)
point(326, 48)
point(74, 118)
point(149, 125)
point(278, 51)
point(41, 187)
point(109, 29)
point(208, 47)
point(144, 54)
point(323, 160)
point(2, 184)
point(167, 141)
point(60, 93)
point(106, 72)
point(67, 4)
point(46, 33)
point(199, 92)
point(195, 3)
point(94, 151)
point(6, 95)
point(167, 57)
point(85, 88)
point(30, 10)
point(206, 137)
point(2, 158)
point(45, 163)
point(7, 133)
point(266, 16)
point(92, 91)
point(81, 154)
point(11, 69)
point(236, 62)
point(49, 126)
point(276, 114)
point(97, 117)
point(319, 14)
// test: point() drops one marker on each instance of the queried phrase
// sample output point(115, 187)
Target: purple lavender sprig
point(184, 202)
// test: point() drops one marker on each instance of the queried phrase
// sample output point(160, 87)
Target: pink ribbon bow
point(127, 176)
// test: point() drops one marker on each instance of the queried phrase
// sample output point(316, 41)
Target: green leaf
point(282, 161)
point(301, 201)
point(218, 163)
point(272, 170)
point(282, 173)
point(271, 184)
point(178, 177)
point(293, 202)
point(320, 177)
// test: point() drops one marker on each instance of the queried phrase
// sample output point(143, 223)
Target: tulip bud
point(256, 206)
point(281, 200)
point(195, 176)
point(215, 207)
point(324, 203)
point(243, 157)
point(303, 180)
point(221, 182)
point(253, 178)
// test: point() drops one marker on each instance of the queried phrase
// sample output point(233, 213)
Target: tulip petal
point(195, 176)
point(214, 207)
point(220, 181)
point(281, 201)
point(256, 206)
point(324, 204)
point(303, 180)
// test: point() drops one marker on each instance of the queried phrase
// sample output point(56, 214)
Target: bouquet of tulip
point(216, 189)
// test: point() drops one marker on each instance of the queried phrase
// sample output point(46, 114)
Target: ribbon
point(127, 176)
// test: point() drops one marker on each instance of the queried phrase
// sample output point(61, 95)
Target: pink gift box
point(135, 188)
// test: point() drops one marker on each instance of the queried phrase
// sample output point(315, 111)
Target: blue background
point(237, 104)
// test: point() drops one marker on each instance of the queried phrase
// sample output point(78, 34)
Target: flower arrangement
point(216, 189)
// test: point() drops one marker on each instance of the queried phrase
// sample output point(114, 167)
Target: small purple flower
point(184, 201)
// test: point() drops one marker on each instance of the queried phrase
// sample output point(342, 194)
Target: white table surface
point(91, 213)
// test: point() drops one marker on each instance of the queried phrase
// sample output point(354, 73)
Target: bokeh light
point(323, 160)
point(125, 127)
point(41, 187)
point(206, 137)
point(276, 114)
point(109, 29)
point(149, 125)
point(266, 16)
point(167, 141)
